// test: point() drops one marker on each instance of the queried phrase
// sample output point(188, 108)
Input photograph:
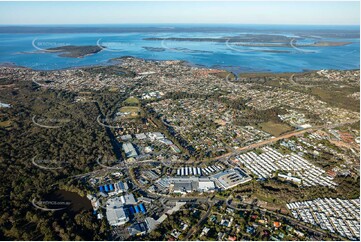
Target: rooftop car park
point(230, 178)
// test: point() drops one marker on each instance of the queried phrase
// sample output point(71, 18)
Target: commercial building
point(115, 213)
point(129, 150)
point(221, 180)
point(230, 178)
point(121, 186)
point(126, 137)
point(140, 136)
point(115, 188)
point(205, 185)
point(126, 199)
point(182, 186)
point(138, 229)
point(187, 184)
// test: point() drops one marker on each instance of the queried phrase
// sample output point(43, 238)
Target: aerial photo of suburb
point(180, 121)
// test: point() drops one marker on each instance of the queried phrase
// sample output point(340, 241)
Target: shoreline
point(112, 62)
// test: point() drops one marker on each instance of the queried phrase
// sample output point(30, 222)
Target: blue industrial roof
point(111, 187)
point(131, 210)
point(142, 208)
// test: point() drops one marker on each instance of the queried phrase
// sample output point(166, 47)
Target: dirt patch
point(276, 129)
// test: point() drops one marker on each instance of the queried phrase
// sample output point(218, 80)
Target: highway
point(224, 156)
point(284, 136)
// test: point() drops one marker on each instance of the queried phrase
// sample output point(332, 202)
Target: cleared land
point(133, 111)
point(5, 124)
point(275, 129)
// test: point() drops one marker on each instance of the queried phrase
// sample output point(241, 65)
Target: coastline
point(116, 60)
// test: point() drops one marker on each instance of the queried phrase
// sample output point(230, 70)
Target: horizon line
point(85, 24)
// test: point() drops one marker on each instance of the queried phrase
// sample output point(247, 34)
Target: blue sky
point(256, 12)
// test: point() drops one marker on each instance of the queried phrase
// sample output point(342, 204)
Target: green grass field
point(132, 101)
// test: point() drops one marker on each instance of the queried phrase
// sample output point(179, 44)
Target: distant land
point(266, 38)
point(347, 31)
point(315, 44)
point(257, 40)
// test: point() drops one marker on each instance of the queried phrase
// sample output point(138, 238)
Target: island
point(74, 51)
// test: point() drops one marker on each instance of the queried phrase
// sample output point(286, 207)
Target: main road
point(284, 136)
point(125, 164)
